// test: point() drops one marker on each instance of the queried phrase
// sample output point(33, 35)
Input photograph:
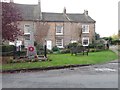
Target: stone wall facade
point(72, 31)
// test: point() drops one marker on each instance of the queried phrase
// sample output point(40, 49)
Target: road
point(95, 76)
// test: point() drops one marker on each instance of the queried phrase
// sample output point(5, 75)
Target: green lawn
point(66, 59)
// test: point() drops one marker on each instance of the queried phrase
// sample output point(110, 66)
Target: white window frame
point(83, 41)
point(85, 28)
point(27, 36)
point(16, 43)
point(61, 32)
point(26, 30)
point(59, 46)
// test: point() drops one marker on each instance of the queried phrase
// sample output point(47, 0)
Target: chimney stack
point(40, 13)
point(86, 12)
point(64, 11)
point(11, 1)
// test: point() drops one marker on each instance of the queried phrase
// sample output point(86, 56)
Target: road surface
point(95, 76)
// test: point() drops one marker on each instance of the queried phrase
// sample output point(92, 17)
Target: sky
point(119, 16)
point(104, 12)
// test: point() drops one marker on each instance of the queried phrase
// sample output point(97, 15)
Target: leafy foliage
point(55, 48)
point(10, 16)
point(97, 36)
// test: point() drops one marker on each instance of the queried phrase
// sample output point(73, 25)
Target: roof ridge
point(26, 4)
point(63, 13)
point(52, 12)
point(75, 13)
point(30, 13)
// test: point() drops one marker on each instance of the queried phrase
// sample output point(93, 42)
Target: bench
point(79, 49)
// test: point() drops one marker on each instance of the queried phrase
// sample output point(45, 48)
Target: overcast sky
point(104, 12)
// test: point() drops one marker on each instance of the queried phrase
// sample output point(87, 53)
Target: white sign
point(49, 45)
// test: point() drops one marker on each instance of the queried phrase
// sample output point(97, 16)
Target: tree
point(97, 36)
point(115, 36)
point(10, 16)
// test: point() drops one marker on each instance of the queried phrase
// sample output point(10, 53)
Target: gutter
point(42, 68)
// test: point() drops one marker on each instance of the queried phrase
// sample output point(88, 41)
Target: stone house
point(55, 29)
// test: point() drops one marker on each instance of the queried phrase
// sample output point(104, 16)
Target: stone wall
point(47, 31)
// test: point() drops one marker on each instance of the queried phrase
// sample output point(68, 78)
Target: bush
point(49, 51)
point(7, 48)
point(7, 53)
point(92, 50)
point(91, 45)
point(22, 53)
point(100, 46)
point(70, 45)
point(114, 42)
point(55, 48)
point(40, 49)
point(64, 51)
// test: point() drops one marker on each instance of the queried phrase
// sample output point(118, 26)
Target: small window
point(85, 41)
point(26, 29)
point(85, 28)
point(59, 30)
point(27, 36)
point(59, 43)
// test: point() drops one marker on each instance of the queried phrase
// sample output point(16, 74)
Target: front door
point(49, 44)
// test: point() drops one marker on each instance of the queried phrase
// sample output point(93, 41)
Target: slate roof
point(80, 18)
point(53, 17)
point(31, 12)
point(26, 11)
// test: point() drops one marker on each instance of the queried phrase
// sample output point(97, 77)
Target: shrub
point(7, 53)
point(49, 51)
point(92, 50)
point(10, 61)
point(21, 53)
point(64, 51)
point(55, 48)
point(40, 49)
point(70, 45)
point(7, 48)
point(91, 45)
point(100, 46)
point(114, 42)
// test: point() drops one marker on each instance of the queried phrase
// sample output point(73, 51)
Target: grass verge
point(65, 59)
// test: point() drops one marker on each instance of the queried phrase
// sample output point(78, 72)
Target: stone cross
point(31, 50)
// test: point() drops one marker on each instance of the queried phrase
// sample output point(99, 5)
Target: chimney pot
point(86, 12)
point(64, 11)
point(11, 1)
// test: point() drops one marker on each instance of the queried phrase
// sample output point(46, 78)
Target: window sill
point(26, 33)
point(85, 32)
point(60, 46)
point(86, 45)
point(59, 33)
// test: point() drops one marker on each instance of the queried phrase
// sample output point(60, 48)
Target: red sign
point(31, 49)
